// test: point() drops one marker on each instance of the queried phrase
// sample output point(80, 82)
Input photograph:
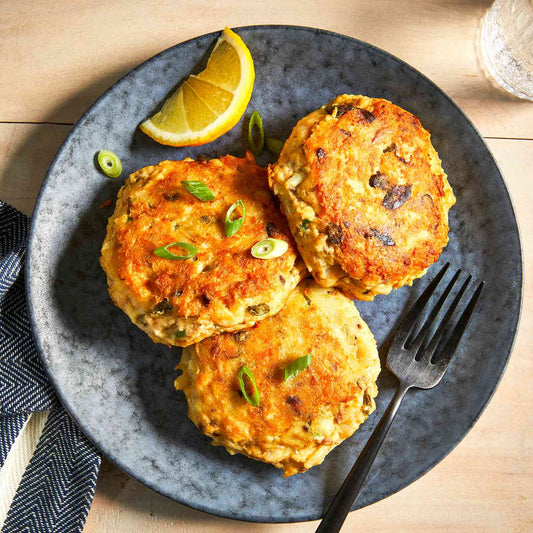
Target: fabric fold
point(57, 487)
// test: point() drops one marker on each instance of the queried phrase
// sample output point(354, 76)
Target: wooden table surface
point(57, 57)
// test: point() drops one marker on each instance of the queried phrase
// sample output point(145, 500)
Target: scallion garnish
point(305, 223)
point(297, 366)
point(254, 400)
point(199, 190)
point(274, 145)
point(109, 163)
point(179, 334)
point(256, 122)
point(233, 226)
point(269, 248)
point(165, 254)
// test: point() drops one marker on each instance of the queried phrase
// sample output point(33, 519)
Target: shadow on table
point(27, 167)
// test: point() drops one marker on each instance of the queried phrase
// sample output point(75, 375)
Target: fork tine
point(407, 324)
point(446, 353)
point(424, 330)
point(431, 348)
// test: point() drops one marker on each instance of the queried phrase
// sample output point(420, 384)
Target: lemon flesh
point(209, 104)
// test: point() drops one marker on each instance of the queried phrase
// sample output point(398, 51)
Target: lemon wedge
point(209, 104)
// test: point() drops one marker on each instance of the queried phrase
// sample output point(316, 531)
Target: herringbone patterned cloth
point(56, 490)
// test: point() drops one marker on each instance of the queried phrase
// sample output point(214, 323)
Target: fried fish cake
point(365, 195)
point(222, 287)
point(297, 422)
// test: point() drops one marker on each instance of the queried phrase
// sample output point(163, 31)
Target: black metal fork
point(417, 360)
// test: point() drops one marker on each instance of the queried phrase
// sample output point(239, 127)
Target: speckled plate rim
point(138, 475)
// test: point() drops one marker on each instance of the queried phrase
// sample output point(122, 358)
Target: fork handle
point(342, 504)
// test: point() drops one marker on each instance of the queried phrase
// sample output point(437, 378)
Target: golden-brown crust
point(217, 290)
point(298, 421)
point(364, 174)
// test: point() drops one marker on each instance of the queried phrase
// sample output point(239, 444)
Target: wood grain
point(57, 60)
point(27, 151)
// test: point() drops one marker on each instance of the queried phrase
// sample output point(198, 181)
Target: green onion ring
point(254, 400)
point(109, 163)
point(165, 254)
point(233, 226)
point(256, 121)
point(179, 334)
point(199, 190)
point(269, 248)
point(297, 366)
point(274, 145)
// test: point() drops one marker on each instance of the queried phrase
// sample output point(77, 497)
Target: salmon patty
point(365, 195)
point(218, 285)
point(296, 421)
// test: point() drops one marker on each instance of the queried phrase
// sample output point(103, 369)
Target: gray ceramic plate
point(117, 384)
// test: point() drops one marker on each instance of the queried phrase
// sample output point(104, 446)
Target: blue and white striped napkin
point(48, 468)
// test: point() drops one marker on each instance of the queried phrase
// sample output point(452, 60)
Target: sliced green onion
point(297, 366)
point(233, 226)
point(199, 190)
point(274, 145)
point(293, 182)
point(305, 223)
point(256, 122)
point(109, 163)
point(254, 400)
point(179, 334)
point(269, 248)
point(165, 254)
